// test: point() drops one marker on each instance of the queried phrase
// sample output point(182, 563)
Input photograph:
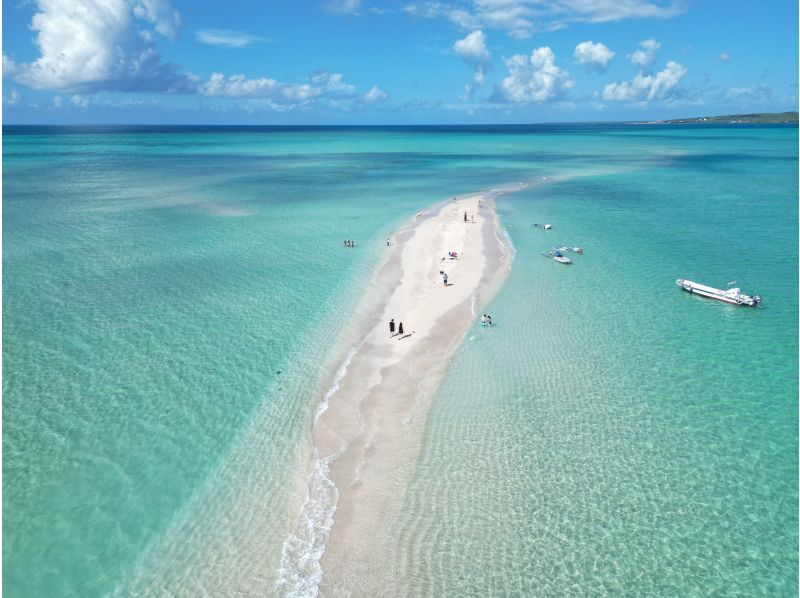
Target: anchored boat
point(558, 256)
point(542, 226)
point(733, 296)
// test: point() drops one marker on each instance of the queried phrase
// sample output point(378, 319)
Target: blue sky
point(411, 61)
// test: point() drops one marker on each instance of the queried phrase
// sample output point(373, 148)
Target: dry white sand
point(374, 422)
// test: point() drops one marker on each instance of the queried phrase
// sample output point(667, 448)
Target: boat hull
point(733, 297)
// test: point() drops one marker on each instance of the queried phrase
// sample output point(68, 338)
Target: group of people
point(486, 320)
point(392, 329)
point(349, 243)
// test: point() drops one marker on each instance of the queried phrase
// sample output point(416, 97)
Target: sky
point(350, 62)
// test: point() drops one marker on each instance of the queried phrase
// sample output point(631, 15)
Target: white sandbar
point(371, 430)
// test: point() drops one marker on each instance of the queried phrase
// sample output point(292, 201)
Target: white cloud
point(375, 95)
point(94, 45)
point(512, 17)
point(520, 18)
point(166, 20)
point(645, 88)
point(322, 84)
point(99, 44)
point(533, 79)
point(755, 93)
point(80, 101)
point(13, 99)
point(724, 57)
point(58, 101)
point(602, 11)
point(594, 56)
point(473, 51)
point(646, 55)
point(8, 65)
point(226, 38)
point(344, 7)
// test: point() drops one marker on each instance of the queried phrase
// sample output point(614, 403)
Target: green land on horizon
point(758, 118)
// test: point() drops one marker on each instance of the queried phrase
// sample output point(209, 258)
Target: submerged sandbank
point(369, 427)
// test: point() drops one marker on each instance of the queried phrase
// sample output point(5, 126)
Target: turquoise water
point(173, 301)
point(613, 434)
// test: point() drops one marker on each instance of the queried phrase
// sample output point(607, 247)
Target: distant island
point(735, 119)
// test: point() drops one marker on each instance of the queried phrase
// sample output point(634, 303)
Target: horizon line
point(341, 125)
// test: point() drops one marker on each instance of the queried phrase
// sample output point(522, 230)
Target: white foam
point(301, 572)
point(323, 406)
point(507, 245)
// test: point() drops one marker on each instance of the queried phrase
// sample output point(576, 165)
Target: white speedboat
point(733, 296)
point(558, 256)
point(543, 226)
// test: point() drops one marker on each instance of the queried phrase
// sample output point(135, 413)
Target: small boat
point(571, 248)
point(558, 256)
point(561, 258)
point(543, 226)
point(733, 296)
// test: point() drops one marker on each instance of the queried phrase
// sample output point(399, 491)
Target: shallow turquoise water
point(613, 434)
point(165, 289)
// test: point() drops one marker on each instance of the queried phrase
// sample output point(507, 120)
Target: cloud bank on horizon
point(360, 61)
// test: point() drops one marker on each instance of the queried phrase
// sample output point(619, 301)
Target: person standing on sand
point(391, 328)
point(444, 279)
point(400, 329)
point(465, 215)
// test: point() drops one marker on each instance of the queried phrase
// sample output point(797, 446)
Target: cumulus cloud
point(533, 78)
point(646, 55)
point(594, 56)
point(520, 18)
point(226, 38)
point(375, 95)
point(645, 88)
point(101, 44)
point(724, 57)
point(473, 51)
point(239, 86)
point(58, 101)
